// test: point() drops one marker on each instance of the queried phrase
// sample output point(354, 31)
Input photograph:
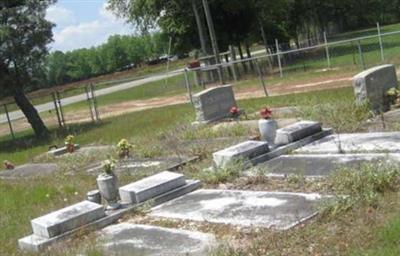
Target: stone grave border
point(27, 244)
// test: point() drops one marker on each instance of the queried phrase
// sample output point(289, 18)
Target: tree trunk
point(248, 51)
point(242, 57)
point(31, 114)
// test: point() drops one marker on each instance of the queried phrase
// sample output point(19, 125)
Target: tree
point(24, 34)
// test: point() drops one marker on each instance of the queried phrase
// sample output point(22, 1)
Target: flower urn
point(108, 187)
point(268, 129)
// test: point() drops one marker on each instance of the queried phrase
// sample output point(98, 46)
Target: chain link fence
point(93, 102)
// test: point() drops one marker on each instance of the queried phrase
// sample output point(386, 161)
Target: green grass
point(386, 241)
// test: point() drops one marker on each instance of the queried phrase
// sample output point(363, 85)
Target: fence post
point(279, 57)
point(9, 121)
point(380, 41)
point(361, 54)
point(261, 77)
point(188, 86)
point(233, 58)
point(328, 57)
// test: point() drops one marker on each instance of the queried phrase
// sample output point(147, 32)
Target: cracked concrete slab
point(278, 210)
point(126, 239)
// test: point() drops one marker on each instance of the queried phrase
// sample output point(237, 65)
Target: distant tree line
point(118, 53)
point(239, 22)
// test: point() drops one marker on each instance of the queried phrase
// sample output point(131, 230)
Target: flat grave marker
point(385, 142)
point(319, 165)
point(278, 210)
point(127, 239)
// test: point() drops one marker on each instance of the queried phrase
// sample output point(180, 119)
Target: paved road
point(14, 115)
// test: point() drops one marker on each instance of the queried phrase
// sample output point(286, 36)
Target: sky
point(83, 24)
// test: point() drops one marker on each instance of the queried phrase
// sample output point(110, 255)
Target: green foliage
point(118, 53)
point(361, 186)
point(109, 166)
point(223, 174)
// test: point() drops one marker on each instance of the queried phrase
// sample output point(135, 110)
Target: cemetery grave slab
point(354, 143)
point(28, 171)
point(296, 131)
point(150, 187)
point(132, 166)
point(37, 243)
point(319, 165)
point(243, 208)
point(127, 239)
point(66, 219)
point(242, 151)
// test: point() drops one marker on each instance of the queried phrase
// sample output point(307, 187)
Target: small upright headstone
point(296, 131)
point(151, 187)
point(243, 151)
point(67, 219)
point(372, 85)
point(213, 104)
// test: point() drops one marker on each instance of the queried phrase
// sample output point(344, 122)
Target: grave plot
point(132, 166)
point(86, 215)
point(277, 210)
point(129, 239)
point(354, 143)
point(319, 165)
point(29, 171)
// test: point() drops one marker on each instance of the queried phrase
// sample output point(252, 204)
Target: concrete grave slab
point(354, 143)
point(245, 150)
point(214, 103)
point(66, 219)
point(276, 210)
point(28, 171)
point(61, 151)
point(127, 239)
point(150, 187)
point(37, 243)
point(371, 85)
point(320, 165)
point(296, 131)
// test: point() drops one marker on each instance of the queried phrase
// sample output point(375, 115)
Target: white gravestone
point(372, 85)
point(213, 104)
point(245, 150)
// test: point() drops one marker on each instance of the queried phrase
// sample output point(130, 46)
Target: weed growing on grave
point(342, 116)
point(361, 186)
point(223, 174)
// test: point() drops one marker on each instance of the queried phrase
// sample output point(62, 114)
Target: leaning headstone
point(128, 239)
point(150, 187)
point(213, 104)
point(296, 132)
point(372, 85)
point(242, 151)
point(66, 219)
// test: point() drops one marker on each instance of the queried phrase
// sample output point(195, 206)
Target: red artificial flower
point(234, 110)
point(266, 113)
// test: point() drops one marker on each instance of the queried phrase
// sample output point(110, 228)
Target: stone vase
point(70, 148)
point(267, 128)
point(108, 187)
